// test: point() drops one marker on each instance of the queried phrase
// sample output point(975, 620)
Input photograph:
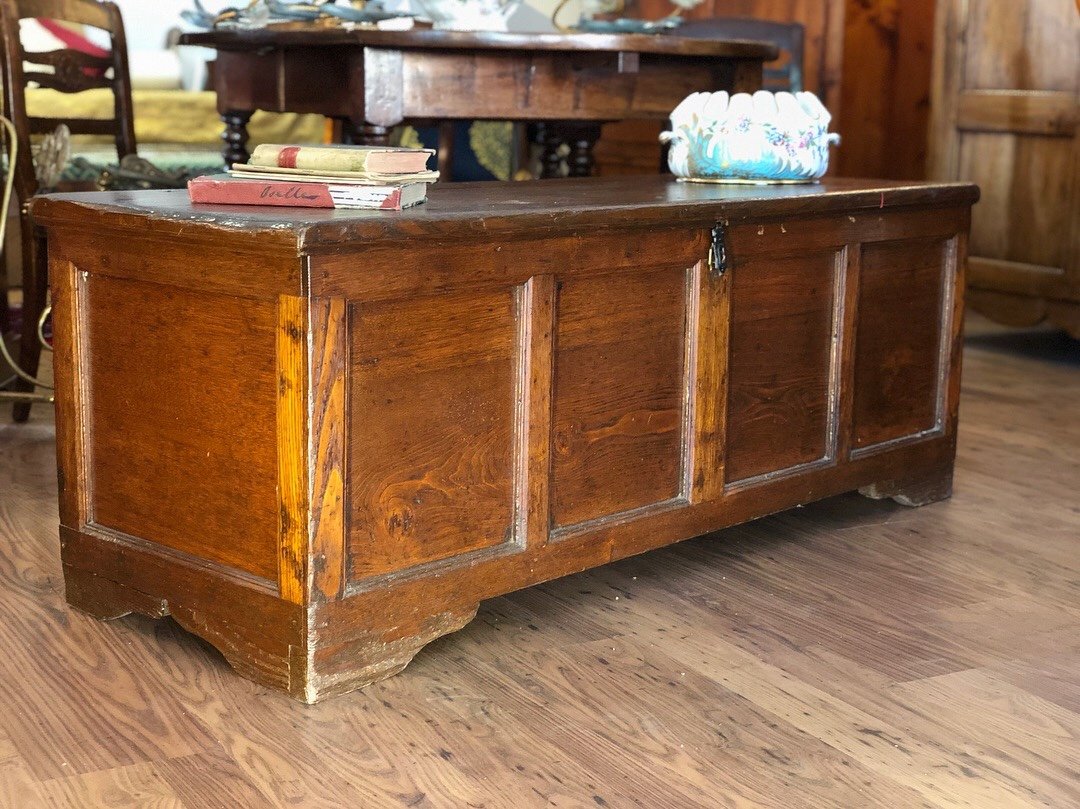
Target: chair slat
point(62, 57)
point(77, 126)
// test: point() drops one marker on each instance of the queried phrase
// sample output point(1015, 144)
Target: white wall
point(147, 21)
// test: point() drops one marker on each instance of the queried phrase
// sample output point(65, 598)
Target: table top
point(427, 38)
point(479, 210)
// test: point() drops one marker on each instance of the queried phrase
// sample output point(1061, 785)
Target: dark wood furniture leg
point(374, 135)
point(235, 136)
point(582, 138)
point(345, 131)
point(550, 142)
point(35, 295)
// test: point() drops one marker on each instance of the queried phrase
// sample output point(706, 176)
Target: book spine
point(309, 157)
point(260, 192)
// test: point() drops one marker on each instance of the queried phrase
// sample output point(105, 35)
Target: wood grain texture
point(749, 667)
point(468, 213)
point(68, 352)
point(1006, 105)
point(845, 371)
point(560, 86)
point(501, 256)
point(897, 371)
point(292, 444)
point(885, 89)
point(160, 253)
point(420, 448)
point(207, 482)
point(1024, 222)
point(619, 399)
point(871, 62)
point(1022, 46)
point(535, 379)
point(711, 312)
point(431, 429)
point(376, 79)
point(326, 445)
point(1031, 113)
point(824, 40)
point(780, 400)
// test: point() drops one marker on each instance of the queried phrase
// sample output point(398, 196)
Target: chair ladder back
point(73, 71)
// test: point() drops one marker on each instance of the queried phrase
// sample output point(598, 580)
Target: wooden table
point(320, 438)
point(375, 80)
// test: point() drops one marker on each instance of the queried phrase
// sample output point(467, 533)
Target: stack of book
point(322, 177)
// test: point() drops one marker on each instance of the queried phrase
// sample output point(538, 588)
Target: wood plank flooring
point(846, 654)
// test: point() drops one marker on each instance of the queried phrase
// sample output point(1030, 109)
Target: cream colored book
point(344, 177)
point(335, 158)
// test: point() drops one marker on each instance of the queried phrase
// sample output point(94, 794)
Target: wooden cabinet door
point(1007, 83)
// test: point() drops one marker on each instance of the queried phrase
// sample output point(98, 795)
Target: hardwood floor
point(847, 654)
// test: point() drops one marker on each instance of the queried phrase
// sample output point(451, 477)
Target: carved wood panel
point(73, 71)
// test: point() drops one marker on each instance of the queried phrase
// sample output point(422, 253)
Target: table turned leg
point(582, 138)
point(235, 136)
point(551, 141)
point(373, 134)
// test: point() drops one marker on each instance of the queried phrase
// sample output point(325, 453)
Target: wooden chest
point(320, 439)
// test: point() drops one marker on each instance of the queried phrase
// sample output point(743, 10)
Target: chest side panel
point(181, 395)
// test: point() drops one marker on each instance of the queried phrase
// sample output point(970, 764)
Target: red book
point(222, 189)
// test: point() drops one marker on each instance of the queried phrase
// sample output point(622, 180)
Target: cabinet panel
point(148, 385)
point(781, 367)
point(1021, 45)
point(1005, 114)
point(619, 394)
point(1018, 220)
point(431, 428)
point(898, 340)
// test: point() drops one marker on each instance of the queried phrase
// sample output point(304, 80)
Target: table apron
point(385, 86)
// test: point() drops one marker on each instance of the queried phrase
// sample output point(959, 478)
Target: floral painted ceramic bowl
point(742, 138)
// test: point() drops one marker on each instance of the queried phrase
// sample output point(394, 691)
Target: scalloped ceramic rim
point(737, 181)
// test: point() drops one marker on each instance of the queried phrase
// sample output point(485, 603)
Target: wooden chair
point(784, 74)
point(74, 72)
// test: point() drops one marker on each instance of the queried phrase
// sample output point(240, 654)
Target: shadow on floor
point(1037, 344)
